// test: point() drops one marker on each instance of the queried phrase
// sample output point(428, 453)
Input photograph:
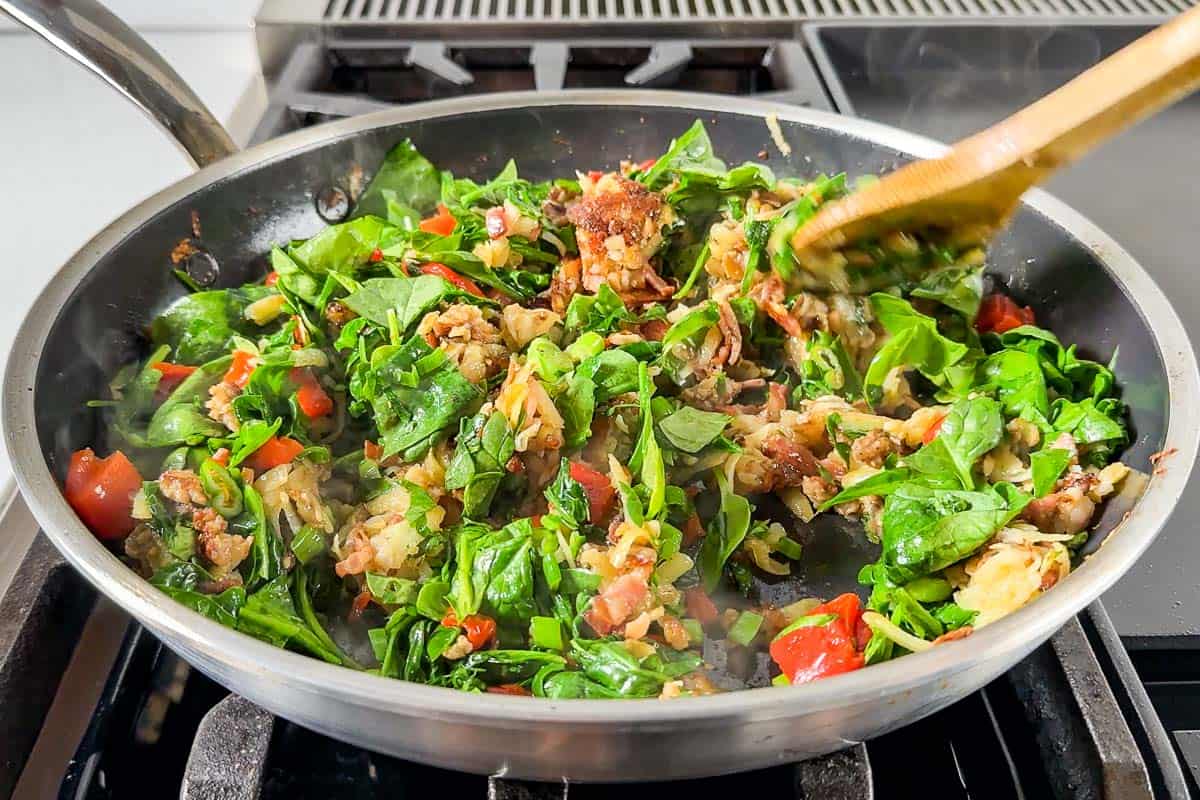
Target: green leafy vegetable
point(925, 530)
point(970, 429)
point(1047, 465)
point(416, 393)
point(485, 445)
point(567, 497)
point(408, 298)
point(270, 614)
point(179, 582)
point(181, 419)
point(200, 327)
point(916, 343)
point(691, 430)
point(725, 534)
point(406, 178)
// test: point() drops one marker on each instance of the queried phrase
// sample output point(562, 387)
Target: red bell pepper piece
point(598, 488)
point(442, 223)
point(478, 629)
point(442, 271)
point(101, 491)
point(240, 369)
point(822, 643)
point(310, 396)
point(172, 376)
point(271, 279)
point(998, 313)
point(275, 451)
point(847, 606)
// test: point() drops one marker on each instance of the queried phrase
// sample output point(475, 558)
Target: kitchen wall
point(74, 154)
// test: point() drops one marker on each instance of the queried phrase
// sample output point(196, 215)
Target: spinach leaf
point(567, 497)
point(828, 370)
point(970, 429)
point(603, 312)
point(485, 445)
point(932, 467)
point(916, 343)
point(691, 152)
point(200, 327)
point(881, 483)
point(1047, 465)
point(392, 591)
point(577, 406)
point(647, 455)
point(925, 530)
point(1096, 426)
point(954, 616)
point(615, 668)
point(405, 177)
point(512, 282)
point(342, 248)
point(563, 684)
point(795, 214)
point(416, 392)
point(295, 280)
point(508, 666)
point(725, 534)
point(179, 580)
point(252, 435)
point(268, 396)
point(1020, 385)
point(302, 594)
point(682, 339)
point(266, 553)
point(549, 361)
point(408, 298)
point(1070, 376)
point(269, 614)
point(181, 419)
point(758, 233)
point(959, 289)
point(613, 372)
point(691, 430)
point(494, 573)
point(138, 392)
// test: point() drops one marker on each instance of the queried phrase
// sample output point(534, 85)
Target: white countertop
point(76, 154)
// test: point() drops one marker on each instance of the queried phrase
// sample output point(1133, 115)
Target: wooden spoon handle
point(1145, 76)
point(977, 185)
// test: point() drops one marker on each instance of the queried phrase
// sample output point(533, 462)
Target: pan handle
point(96, 38)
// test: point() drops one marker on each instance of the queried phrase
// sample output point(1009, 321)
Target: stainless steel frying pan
point(85, 324)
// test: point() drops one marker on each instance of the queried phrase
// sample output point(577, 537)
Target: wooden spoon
point(975, 188)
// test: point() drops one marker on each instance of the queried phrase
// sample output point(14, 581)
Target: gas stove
point(95, 707)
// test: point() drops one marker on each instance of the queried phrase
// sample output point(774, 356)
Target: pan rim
point(234, 652)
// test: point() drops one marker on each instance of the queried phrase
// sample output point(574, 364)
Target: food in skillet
point(525, 435)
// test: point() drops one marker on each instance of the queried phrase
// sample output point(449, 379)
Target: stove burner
point(322, 83)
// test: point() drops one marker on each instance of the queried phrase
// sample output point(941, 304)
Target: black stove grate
point(323, 82)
